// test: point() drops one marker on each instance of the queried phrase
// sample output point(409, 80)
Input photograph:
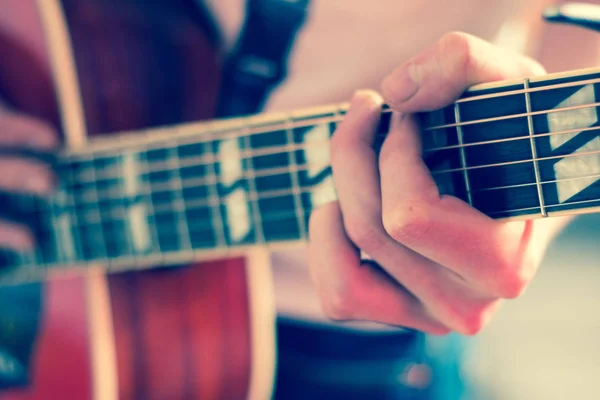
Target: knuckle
point(364, 234)
point(30, 130)
point(407, 223)
point(457, 44)
point(471, 325)
point(469, 322)
point(472, 319)
point(339, 305)
point(388, 88)
point(511, 281)
point(455, 54)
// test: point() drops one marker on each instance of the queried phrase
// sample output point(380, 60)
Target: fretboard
point(522, 149)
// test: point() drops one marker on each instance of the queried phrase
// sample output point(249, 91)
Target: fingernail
point(363, 102)
point(400, 85)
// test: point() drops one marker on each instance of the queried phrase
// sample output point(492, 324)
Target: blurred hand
point(446, 266)
point(22, 175)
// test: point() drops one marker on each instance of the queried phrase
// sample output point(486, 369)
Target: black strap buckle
point(579, 14)
point(259, 61)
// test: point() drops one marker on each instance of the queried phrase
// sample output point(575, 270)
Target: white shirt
point(347, 45)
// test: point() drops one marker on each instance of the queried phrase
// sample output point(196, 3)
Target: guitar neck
point(522, 149)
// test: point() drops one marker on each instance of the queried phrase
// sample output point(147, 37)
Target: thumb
point(440, 74)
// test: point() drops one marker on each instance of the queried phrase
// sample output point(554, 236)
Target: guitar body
point(177, 334)
point(187, 329)
point(180, 332)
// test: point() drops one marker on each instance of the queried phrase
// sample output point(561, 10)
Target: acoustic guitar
point(161, 235)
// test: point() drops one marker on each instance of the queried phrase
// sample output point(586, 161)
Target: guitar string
point(94, 217)
point(495, 95)
point(209, 159)
point(291, 215)
point(286, 193)
point(249, 128)
point(531, 89)
point(448, 147)
point(93, 175)
point(205, 159)
point(535, 159)
point(125, 262)
point(96, 194)
point(512, 139)
point(512, 116)
point(167, 208)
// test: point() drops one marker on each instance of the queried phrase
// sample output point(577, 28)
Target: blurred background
point(544, 345)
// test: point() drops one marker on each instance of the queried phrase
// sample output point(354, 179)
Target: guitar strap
point(258, 63)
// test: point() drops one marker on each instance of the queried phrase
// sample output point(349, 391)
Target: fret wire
point(534, 149)
point(128, 176)
point(152, 227)
point(294, 170)
point(96, 196)
point(214, 202)
point(56, 247)
point(65, 245)
point(251, 183)
point(73, 238)
point(463, 157)
point(38, 254)
point(175, 181)
point(139, 236)
point(166, 207)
